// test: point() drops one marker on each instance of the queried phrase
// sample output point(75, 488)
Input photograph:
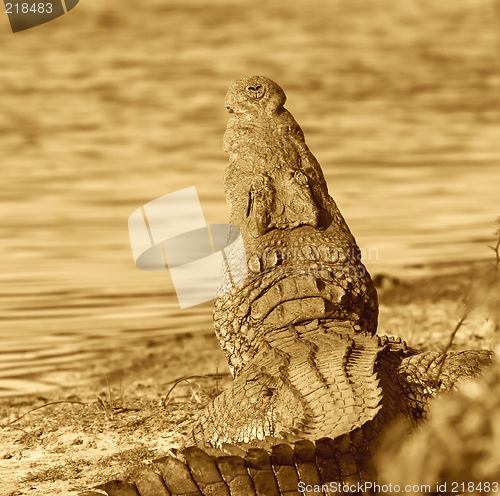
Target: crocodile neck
point(292, 258)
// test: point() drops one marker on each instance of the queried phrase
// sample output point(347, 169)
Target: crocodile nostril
point(256, 91)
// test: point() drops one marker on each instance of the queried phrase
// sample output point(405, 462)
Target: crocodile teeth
point(254, 264)
point(272, 258)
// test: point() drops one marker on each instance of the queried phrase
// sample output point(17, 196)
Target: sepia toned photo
point(249, 248)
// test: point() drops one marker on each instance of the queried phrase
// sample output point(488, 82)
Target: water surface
point(112, 106)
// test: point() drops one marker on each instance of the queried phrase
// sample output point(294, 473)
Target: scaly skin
point(296, 317)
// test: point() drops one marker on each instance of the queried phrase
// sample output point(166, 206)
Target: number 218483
point(26, 8)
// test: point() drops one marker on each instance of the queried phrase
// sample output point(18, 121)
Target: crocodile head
point(293, 261)
point(256, 95)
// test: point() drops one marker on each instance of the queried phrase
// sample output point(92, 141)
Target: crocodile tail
point(281, 470)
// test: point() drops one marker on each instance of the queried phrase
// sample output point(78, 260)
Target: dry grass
point(67, 440)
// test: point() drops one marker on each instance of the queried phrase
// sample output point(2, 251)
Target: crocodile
point(315, 387)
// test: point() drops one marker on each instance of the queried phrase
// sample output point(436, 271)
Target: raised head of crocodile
point(314, 386)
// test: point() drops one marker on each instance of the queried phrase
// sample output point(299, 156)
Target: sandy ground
point(130, 409)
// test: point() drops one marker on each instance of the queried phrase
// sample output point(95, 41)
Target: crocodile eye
point(300, 178)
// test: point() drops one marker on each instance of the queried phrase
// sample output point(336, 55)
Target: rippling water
point(112, 106)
